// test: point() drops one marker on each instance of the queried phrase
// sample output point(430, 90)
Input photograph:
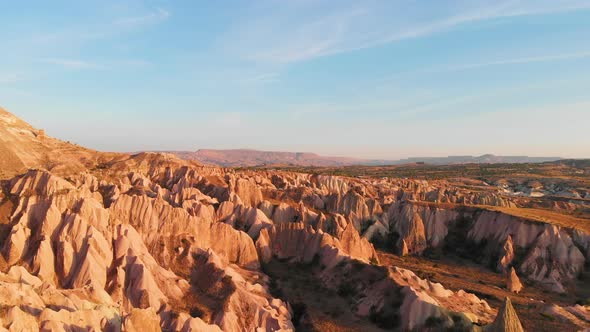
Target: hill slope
point(23, 147)
point(246, 157)
point(249, 158)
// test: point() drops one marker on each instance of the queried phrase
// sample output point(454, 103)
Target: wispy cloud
point(80, 64)
point(72, 63)
point(523, 60)
point(76, 34)
point(263, 78)
point(155, 16)
point(315, 38)
point(281, 38)
point(10, 78)
point(132, 63)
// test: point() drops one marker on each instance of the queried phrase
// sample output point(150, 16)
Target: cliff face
point(548, 253)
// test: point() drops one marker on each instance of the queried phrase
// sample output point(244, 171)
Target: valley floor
point(455, 273)
point(321, 309)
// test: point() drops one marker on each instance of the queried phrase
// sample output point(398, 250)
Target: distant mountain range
point(246, 158)
point(483, 159)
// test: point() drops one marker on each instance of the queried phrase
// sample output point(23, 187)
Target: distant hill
point(483, 159)
point(248, 158)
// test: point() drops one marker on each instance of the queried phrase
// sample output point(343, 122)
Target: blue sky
point(378, 79)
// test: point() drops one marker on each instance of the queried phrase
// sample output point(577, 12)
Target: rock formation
point(149, 242)
point(513, 283)
point(506, 320)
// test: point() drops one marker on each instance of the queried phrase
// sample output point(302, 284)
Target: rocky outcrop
point(298, 242)
point(138, 280)
point(248, 192)
point(513, 282)
point(33, 305)
point(407, 224)
point(506, 255)
point(357, 246)
point(577, 315)
point(424, 299)
point(246, 306)
point(396, 298)
point(552, 253)
point(62, 233)
point(421, 226)
point(142, 320)
point(506, 320)
point(552, 256)
point(174, 228)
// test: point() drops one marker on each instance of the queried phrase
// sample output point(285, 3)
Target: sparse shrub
point(346, 289)
point(433, 321)
point(196, 312)
point(274, 289)
point(432, 253)
point(384, 321)
point(299, 310)
point(316, 260)
point(374, 261)
point(365, 225)
point(341, 264)
point(456, 318)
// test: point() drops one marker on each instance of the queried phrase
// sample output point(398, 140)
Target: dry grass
point(535, 215)
point(545, 216)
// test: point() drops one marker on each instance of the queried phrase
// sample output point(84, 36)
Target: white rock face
point(210, 273)
point(552, 253)
point(115, 262)
point(551, 256)
point(424, 299)
point(419, 226)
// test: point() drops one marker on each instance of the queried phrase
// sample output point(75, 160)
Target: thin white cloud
point(71, 63)
point(264, 78)
point(132, 63)
point(155, 16)
point(80, 64)
point(312, 39)
point(10, 78)
point(74, 34)
point(523, 60)
point(280, 38)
